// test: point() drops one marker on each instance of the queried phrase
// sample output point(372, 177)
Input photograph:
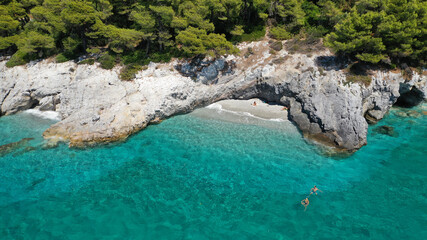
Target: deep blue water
point(199, 178)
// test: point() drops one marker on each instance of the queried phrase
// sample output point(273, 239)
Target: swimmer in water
point(314, 190)
point(305, 203)
point(254, 104)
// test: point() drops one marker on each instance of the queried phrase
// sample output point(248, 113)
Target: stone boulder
point(205, 71)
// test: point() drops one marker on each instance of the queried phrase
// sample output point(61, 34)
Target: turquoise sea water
point(193, 177)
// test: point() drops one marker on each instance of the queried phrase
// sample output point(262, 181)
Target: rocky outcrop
point(386, 89)
point(95, 106)
point(205, 71)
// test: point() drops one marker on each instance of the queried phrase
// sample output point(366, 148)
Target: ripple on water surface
point(201, 178)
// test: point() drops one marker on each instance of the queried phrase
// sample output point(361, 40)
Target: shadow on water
point(35, 183)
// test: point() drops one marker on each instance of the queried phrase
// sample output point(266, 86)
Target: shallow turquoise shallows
point(194, 177)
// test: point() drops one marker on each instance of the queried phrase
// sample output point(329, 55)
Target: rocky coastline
point(95, 106)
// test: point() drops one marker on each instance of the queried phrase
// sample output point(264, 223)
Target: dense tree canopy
point(376, 30)
point(365, 30)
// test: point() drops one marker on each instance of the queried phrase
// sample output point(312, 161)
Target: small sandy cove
point(260, 109)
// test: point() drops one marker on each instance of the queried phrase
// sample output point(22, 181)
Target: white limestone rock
point(96, 106)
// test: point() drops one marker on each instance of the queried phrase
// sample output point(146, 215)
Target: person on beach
point(284, 108)
point(305, 203)
point(314, 190)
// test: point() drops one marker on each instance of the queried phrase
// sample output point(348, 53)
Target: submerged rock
point(11, 147)
point(24, 150)
point(414, 114)
point(401, 114)
point(386, 130)
point(51, 143)
point(408, 113)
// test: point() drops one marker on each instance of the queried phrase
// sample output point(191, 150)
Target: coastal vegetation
point(136, 32)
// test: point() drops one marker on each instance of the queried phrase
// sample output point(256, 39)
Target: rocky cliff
point(96, 106)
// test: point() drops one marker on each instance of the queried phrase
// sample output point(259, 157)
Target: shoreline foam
point(262, 110)
point(51, 115)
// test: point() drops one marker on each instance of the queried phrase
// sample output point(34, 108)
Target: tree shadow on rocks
point(331, 62)
point(205, 71)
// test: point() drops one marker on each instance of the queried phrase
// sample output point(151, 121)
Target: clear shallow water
point(192, 177)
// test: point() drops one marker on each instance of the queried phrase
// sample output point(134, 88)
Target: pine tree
point(194, 41)
point(376, 30)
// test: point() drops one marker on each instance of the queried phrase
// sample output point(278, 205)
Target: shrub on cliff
point(107, 61)
point(279, 33)
point(276, 46)
point(128, 72)
point(253, 33)
point(89, 61)
point(362, 79)
point(60, 58)
point(17, 59)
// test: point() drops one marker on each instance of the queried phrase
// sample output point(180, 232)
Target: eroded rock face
point(96, 106)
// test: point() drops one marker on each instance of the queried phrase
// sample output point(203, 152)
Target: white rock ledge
point(95, 106)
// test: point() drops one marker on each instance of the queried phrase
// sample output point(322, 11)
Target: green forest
point(139, 31)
